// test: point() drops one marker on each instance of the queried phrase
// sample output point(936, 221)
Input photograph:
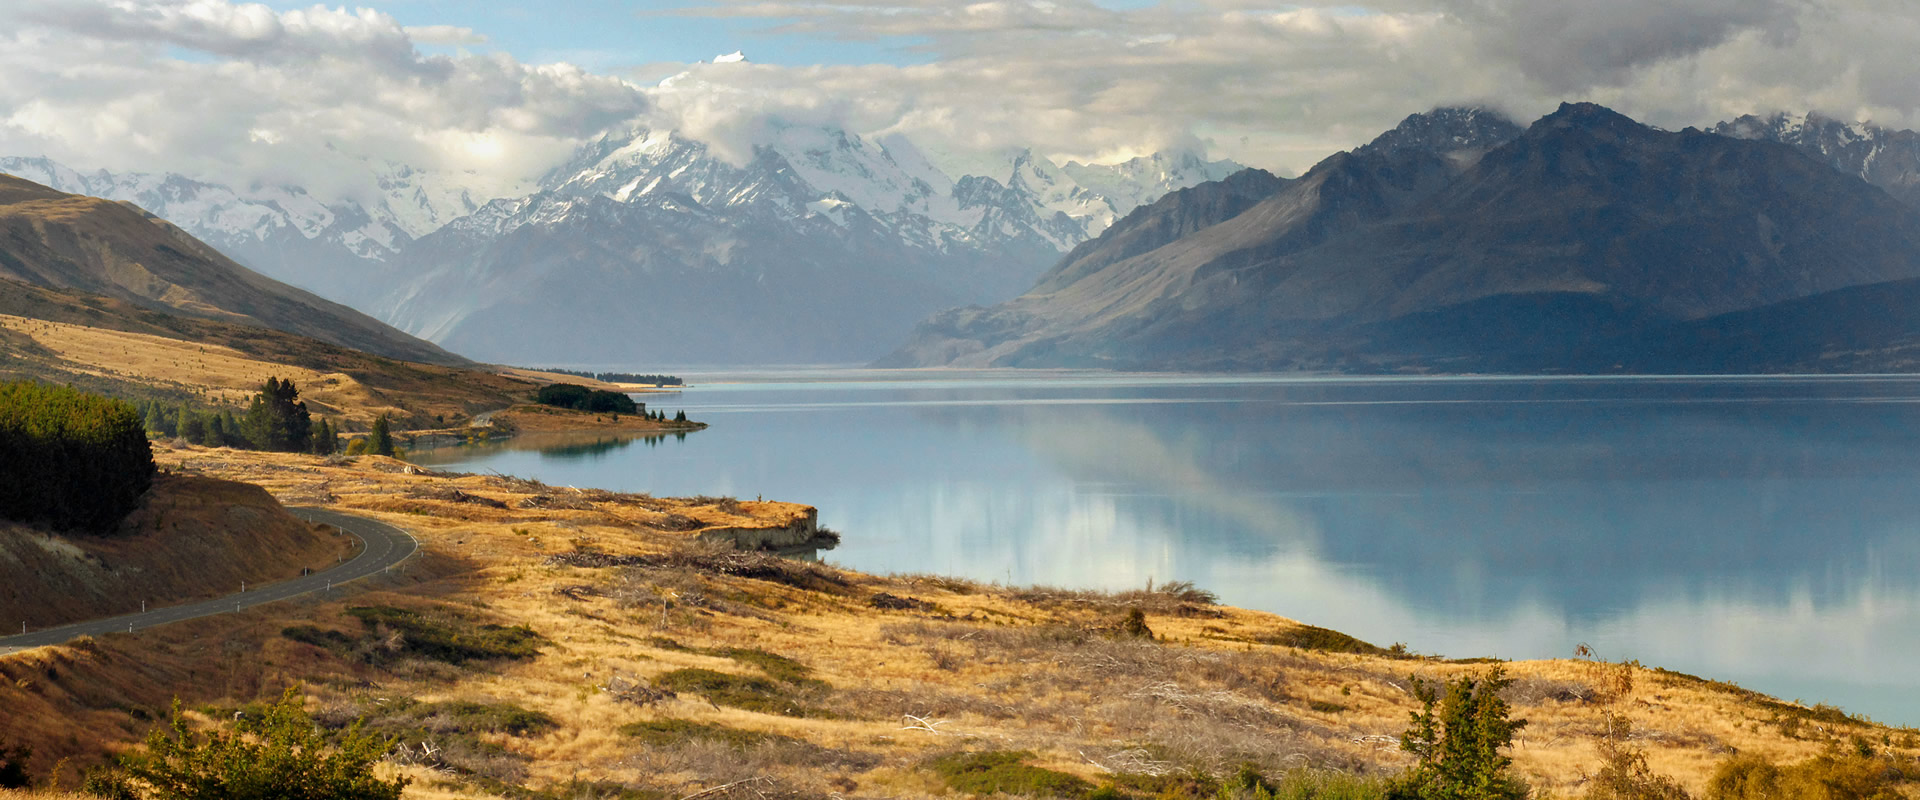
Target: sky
point(499, 91)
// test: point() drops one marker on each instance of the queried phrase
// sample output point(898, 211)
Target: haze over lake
point(1759, 530)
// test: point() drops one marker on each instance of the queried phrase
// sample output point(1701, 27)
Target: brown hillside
point(64, 241)
point(114, 346)
point(192, 538)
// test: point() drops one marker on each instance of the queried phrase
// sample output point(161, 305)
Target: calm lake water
point(1764, 531)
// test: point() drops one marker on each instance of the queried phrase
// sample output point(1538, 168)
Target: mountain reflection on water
point(1755, 530)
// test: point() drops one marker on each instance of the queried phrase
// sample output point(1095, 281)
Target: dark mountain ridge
point(1586, 228)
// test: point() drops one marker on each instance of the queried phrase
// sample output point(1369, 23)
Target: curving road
point(385, 546)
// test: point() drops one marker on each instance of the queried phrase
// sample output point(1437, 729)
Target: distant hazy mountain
point(340, 250)
point(1887, 158)
point(57, 240)
point(647, 247)
point(823, 247)
point(1456, 242)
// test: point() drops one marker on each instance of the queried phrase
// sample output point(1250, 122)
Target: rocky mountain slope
point(1885, 157)
point(64, 241)
point(1588, 227)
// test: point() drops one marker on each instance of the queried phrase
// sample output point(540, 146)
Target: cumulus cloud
point(319, 97)
point(1284, 88)
point(304, 94)
point(449, 35)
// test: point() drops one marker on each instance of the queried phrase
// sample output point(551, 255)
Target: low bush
point(279, 754)
point(1326, 640)
point(738, 691)
point(443, 638)
point(717, 560)
point(453, 736)
point(1005, 772)
point(668, 732)
point(1624, 774)
point(1823, 777)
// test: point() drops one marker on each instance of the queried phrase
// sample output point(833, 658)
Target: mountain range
point(647, 246)
point(1462, 242)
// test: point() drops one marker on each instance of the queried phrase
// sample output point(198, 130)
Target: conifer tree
point(277, 420)
point(380, 441)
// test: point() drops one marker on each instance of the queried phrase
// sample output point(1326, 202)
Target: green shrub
point(668, 732)
point(70, 460)
point(748, 694)
point(777, 667)
point(1313, 637)
point(280, 755)
point(450, 640)
point(1459, 746)
point(1005, 772)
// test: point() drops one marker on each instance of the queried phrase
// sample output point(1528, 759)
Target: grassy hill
point(191, 538)
point(62, 241)
point(117, 347)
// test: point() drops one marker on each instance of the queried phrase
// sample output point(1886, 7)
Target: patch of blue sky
point(619, 35)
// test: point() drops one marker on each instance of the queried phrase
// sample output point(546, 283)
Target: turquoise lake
point(1763, 530)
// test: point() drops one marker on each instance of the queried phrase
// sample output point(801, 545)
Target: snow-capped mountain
point(648, 246)
point(1138, 181)
point(818, 222)
point(1885, 157)
point(283, 231)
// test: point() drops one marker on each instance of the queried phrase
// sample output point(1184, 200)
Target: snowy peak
point(804, 174)
point(1457, 133)
point(1885, 157)
point(1144, 179)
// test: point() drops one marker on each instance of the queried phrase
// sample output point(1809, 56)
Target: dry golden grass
point(221, 374)
point(217, 373)
point(964, 666)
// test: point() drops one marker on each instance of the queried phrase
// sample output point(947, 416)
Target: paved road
point(386, 546)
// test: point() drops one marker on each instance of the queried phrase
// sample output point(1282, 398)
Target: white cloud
point(305, 94)
point(448, 35)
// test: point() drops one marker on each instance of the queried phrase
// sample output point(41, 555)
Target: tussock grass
point(718, 561)
point(1176, 599)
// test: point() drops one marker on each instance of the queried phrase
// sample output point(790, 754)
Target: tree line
point(70, 460)
point(620, 377)
point(581, 398)
point(275, 420)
